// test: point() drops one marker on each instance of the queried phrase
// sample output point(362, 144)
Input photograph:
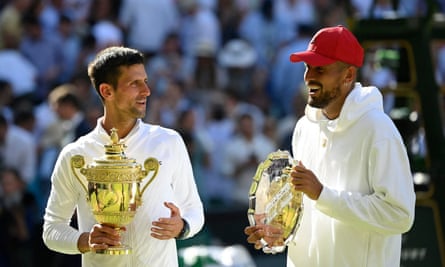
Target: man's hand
point(166, 228)
point(262, 235)
point(100, 237)
point(304, 180)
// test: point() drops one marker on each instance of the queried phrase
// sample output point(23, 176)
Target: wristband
point(185, 231)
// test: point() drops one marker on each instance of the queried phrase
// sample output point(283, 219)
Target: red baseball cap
point(329, 45)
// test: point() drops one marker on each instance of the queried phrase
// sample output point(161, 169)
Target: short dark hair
point(105, 67)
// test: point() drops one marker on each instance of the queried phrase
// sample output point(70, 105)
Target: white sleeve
point(58, 235)
point(186, 192)
point(389, 209)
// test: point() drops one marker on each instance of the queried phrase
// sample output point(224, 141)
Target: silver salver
point(273, 200)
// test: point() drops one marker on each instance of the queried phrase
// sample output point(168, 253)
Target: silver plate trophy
point(273, 201)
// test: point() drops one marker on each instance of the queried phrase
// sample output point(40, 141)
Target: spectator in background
point(25, 119)
point(198, 25)
point(229, 15)
point(45, 53)
point(293, 12)
point(219, 128)
point(286, 79)
point(71, 42)
point(235, 106)
point(207, 72)
point(169, 64)
point(136, 15)
point(51, 14)
point(18, 150)
point(11, 26)
point(260, 28)
point(20, 72)
point(242, 155)
point(19, 221)
point(78, 11)
point(91, 102)
point(103, 23)
point(379, 9)
point(238, 62)
point(166, 108)
point(69, 125)
point(198, 146)
point(6, 100)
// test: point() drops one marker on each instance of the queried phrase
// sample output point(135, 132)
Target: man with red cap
point(353, 166)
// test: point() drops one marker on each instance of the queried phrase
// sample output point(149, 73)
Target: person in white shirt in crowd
point(45, 53)
point(260, 27)
point(293, 12)
point(242, 155)
point(353, 166)
point(287, 79)
point(198, 25)
point(171, 209)
point(21, 74)
point(136, 15)
point(18, 149)
point(69, 125)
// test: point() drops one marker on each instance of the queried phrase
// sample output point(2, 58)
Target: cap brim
point(311, 58)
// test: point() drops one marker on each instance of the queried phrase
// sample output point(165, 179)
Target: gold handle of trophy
point(77, 162)
point(150, 164)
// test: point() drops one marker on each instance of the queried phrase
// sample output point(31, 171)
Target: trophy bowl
point(113, 189)
point(273, 200)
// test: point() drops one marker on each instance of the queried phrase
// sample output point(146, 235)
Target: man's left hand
point(166, 228)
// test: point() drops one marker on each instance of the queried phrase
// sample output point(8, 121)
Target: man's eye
point(135, 83)
point(319, 70)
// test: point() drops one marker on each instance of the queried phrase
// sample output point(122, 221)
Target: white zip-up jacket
point(368, 198)
point(173, 183)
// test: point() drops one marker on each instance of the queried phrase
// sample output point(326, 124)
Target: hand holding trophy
point(113, 190)
point(275, 207)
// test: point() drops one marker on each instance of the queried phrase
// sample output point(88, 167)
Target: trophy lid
point(114, 152)
point(113, 167)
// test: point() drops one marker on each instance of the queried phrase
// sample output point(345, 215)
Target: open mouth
point(141, 102)
point(313, 90)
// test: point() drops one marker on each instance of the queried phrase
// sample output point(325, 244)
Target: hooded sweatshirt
point(368, 197)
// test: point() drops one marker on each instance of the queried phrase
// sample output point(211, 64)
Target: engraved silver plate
point(273, 200)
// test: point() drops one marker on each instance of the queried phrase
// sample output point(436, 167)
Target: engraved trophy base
point(115, 250)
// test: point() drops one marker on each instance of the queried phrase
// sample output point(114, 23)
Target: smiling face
point(328, 86)
point(128, 101)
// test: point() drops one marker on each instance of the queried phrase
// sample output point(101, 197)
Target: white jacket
point(368, 197)
point(173, 183)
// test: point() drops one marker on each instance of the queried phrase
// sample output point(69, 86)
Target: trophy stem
point(115, 250)
point(121, 249)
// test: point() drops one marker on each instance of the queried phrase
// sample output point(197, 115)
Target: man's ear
point(350, 74)
point(106, 91)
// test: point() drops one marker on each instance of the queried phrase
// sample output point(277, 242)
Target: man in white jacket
point(171, 207)
point(353, 170)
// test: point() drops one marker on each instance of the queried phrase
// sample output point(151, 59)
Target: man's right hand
point(100, 237)
point(258, 234)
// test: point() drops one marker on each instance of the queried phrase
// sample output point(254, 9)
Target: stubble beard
point(325, 98)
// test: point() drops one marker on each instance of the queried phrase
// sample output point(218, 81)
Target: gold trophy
point(273, 200)
point(113, 190)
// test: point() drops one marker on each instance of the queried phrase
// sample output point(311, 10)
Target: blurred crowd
point(218, 70)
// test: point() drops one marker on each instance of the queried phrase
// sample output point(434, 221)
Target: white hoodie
point(368, 197)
